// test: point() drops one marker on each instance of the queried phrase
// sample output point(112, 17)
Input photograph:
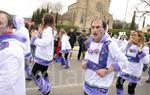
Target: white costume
point(22, 31)
point(102, 55)
point(65, 45)
point(134, 71)
point(12, 75)
point(44, 43)
point(65, 49)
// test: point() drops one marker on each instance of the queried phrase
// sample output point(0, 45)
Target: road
point(70, 81)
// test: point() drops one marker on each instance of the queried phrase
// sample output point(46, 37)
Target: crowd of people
point(102, 55)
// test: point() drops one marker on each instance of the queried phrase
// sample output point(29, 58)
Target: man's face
point(97, 30)
point(3, 23)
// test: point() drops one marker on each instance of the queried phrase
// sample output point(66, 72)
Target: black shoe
point(47, 93)
point(28, 79)
point(147, 81)
point(66, 67)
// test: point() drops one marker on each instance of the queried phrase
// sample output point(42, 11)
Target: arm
point(46, 39)
point(144, 55)
point(118, 58)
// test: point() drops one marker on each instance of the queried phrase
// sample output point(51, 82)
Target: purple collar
point(12, 36)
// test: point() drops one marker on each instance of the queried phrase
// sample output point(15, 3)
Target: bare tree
point(54, 8)
point(143, 8)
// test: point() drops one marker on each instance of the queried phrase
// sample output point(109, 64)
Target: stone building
point(82, 12)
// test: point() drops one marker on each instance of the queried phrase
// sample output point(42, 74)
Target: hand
point(40, 28)
point(84, 64)
point(101, 72)
point(33, 33)
point(140, 48)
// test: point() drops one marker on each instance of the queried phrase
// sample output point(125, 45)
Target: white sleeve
point(144, 56)
point(120, 61)
point(46, 39)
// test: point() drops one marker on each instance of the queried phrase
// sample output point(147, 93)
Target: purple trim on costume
point(91, 51)
point(33, 40)
point(28, 71)
point(103, 56)
point(87, 43)
point(15, 23)
point(141, 55)
point(105, 37)
point(4, 45)
point(116, 67)
point(94, 90)
point(133, 59)
point(28, 55)
point(12, 36)
point(65, 51)
point(131, 94)
point(91, 39)
point(93, 66)
point(43, 85)
point(42, 61)
point(148, 76)
point(119, 91)
point(86, 60)
point(129, 78)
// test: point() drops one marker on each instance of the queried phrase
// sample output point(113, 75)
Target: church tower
point(84, 11)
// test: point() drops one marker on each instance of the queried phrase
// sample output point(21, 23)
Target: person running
point(65, 48)
point(101, 60)
point(12, 55)
point(137, 54)
point(44, 42)
point(21, 30)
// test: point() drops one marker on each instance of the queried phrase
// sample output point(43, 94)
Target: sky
point(117, 9)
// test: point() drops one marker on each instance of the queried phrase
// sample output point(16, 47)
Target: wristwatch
point(107, 70)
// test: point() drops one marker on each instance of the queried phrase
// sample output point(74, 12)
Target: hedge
point(116, 32)
point(66, 27)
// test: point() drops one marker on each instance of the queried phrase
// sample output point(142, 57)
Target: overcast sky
point(25, 8)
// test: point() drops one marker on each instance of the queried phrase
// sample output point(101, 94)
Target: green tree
point(143, 22)
point(37, 15)
point(133, 25)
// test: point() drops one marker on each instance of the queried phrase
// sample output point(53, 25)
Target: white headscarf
point(18, 22)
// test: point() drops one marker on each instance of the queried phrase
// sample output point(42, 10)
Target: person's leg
point(85, 93)
point(62, 60)
point(148, 80)
point(35, 71)
point(79, 53)
point(131, 88)
point(70, 55)
point(43, 85)
point(67, 64)
point(44, 73)
point(28, 71)
point(119, 86)
point(83, 54)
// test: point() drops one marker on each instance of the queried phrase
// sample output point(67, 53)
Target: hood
point(18, 22)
